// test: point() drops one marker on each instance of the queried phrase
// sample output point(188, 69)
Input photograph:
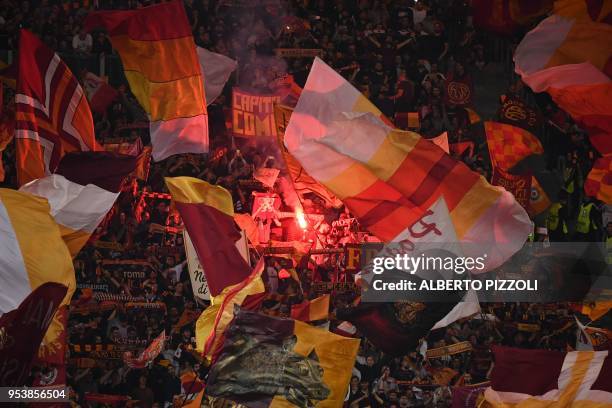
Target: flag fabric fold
point(509, 144)
point(27, 228)
point(599, 181)
point(274, 362)
point(389, 178)
point(82, 191)
point(99, 93)
point(51, 111)
point(569, 56)
point(216, 70)
point(22, 329)
point(541, 378)
point(212, 323)
point(208, 214)
point(311, 310)
point(538, 200)
point(161, 65)
point(301, 181)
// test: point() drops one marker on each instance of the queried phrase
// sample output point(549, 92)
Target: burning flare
point(301, 219)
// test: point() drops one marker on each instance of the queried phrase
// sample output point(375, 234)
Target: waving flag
point(216, 70)
point(274, 362)
point(32, 251)
point(302, 182)
point(148, 355)
point(22, 330)
point(538, 200)
point(51, 111)
point(99, 92)
point(569, 55)
point(509, 144)
point(389, 178)
point(81, 192)
point(541, 378)
point(599, 181)
point(212, 323)
point(311, 310)
point(208, 214)
point(161, 65)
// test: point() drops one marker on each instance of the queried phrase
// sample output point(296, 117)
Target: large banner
point(518, 185)
point(252, 114)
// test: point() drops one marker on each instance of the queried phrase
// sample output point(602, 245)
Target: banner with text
point(252, 114)
point(518, 185)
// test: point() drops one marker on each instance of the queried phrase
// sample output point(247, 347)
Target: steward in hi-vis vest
point(556, 221)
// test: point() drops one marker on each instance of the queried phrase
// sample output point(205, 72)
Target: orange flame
point(301, 219)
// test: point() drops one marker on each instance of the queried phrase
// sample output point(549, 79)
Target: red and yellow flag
point(52, 116)
point(213, 321)
point(161, 65)
point(599, 181)
point(509, 144)
point(311, 310)
point(208, 214)
point(391, 179)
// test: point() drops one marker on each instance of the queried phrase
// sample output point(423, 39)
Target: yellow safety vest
point(552, 221)
point(584, 223)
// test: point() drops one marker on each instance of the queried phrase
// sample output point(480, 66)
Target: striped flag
point(213, 321)
point(302, 182)
point(390, 179)
point(441, 141)
point(161, 65)
point(599, 181)
point(569, 56)
point(311, 310)
point(509, 144)
point(81, 192)
point(32, 251)
point(208, 214)
point(51, 111)
point(539, 378)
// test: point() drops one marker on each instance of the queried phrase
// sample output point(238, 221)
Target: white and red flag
point(51, 111)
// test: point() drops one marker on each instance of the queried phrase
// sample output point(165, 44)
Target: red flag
point(99, 92)
point(22, 330)
point(52, 113)
point(52, 349)
point(579, 378)
point(208, 214)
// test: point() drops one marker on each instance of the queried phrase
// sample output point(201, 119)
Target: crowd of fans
point(397, 53)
